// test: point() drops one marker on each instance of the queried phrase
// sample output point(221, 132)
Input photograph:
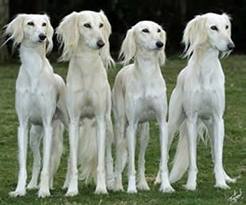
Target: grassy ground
point(234, 149)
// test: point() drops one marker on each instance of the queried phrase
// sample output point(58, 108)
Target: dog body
point(139, 95)
point(198, 100)
point(88, 93)
point(37, 93)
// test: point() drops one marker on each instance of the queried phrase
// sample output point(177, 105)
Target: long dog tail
point(181, 158)
point(87, 155)
point(57, 148)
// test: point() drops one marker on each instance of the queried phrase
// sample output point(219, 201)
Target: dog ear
point(106, 31)
point(162, 57)
point(15, 30)
point(128, 48)
point(68, 35)
point(50, 32)
point(194, 34)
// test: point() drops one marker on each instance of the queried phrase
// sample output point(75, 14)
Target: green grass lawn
point(234, 148)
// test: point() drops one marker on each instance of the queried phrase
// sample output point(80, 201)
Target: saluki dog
point(85, 39)
point(38, 90)
point(139, 95)
point(198, 100)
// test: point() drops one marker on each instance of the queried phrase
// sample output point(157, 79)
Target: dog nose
point(42, 36)
point(100, 44)
point(159, 44)
point(230, 46)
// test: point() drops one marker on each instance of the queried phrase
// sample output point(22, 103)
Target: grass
point(234, 148)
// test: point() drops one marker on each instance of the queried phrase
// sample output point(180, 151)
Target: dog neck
point(147, 62)
point(84, 56)
point(206, 65)
point(32, 58)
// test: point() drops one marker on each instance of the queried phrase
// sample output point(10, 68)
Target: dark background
point(171, 14)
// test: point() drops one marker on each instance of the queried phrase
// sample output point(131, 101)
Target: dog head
point(212, 30)
point(89, 28)
point(30, 29)
point(145, 36)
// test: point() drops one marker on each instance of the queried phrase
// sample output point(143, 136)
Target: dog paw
point(71, 193)
point(167, 189)
point(222, 186)
point(143, 185)
point(190, 187)
point(31, 186)
point(43, 193)
point(132, 190)
point(101, 190)
point(17, 193)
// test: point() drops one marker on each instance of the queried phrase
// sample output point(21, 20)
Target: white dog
point(198, 99)
point(85, 39)
point(139, 95)
point(37, 92)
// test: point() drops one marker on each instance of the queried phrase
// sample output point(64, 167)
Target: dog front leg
point(144, 140)
point(131, 140)
point(119, 128)
point(73, 146)
point(218, 153)
point(22, 146)
point(109, 158)
point(165, 184)
point(191, 124)
point(101, 131)
point(36, 133)
point(44, 179)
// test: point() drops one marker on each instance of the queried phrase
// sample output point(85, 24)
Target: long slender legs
point(101, 136)
point(144, 139)
point(191, 124)
point(36, 134)
point(22, 145)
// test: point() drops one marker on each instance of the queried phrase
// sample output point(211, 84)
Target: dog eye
point(159, 30)
point(215, 28)
point(30, 23)
point(44, 24)
point(226, 27)
point(101, 25)
point(87, 25)
point(145, 30)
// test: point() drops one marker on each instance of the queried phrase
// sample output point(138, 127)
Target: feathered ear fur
point(228, 19)
point(50, 32)
point(68, 35)
point(195, 34)
point(105, 51)
point(15, 30)
point(128, 47)
point(162, 54)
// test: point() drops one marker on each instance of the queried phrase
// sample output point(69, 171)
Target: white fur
point(139, 95)
point(199, 97)
point(38, 90)
point(88, 95)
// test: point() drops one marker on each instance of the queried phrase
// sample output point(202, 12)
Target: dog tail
point(57, 146)
point(181, 158)
point(87, 158)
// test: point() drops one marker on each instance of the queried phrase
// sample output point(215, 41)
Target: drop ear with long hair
point(15, 30)
point(195, 34)
point(50, 32)
point(68, 35)
point(128, 47)
point(162, 54)
point(105, 50)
